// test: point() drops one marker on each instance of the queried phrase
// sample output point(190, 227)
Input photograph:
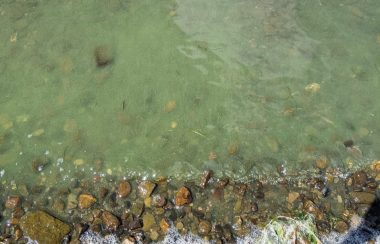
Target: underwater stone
point(44, 228)
point(103, 56)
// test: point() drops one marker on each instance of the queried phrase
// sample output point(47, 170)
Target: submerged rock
point(13, 202)
point(103, 56)
point(44, 228)
point(86, 201)
point(110, 221)
point(124, 189)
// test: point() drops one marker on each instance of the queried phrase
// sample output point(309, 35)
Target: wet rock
point(86, 201)
point(158, 200)
point(359, 179)
point(362, 197)
point(44, 228)
point(103, 192)
point(204, 227)
point(58, 205)
point(321, 162)
point(341, 226)
point(72, 201)
point(164, 225)
point(145, 189)
point(148, 221)
point(124, 189)
point(135, 224)
point(13, 202)
point(110, 221)
point(348, 143)
point(39, 164)
point(206, 175)
point(375, 166)
point(293, 196)
point(254, 207)
point(183, 196)
point(103, 55)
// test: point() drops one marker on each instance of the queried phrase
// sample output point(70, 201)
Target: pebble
point(183, 196)
point(313, 87)
point(158, 200)
point(206, 175)
point(39, 164)
point(362, 197)
point(164, 225)
point(13, 202)
point(170, 106)
point(110, 221)
point(145, 189)
point(341, 226)
point(124, 189)
point(204, 227)
point(78, 162)
point(293, 196)
point(103, 55)
point(148, 221)
point(359, 179)
point(321, 162)
point(86, 201)
point(154, 235)
point(376, 165)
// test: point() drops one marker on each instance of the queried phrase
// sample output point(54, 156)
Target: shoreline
point(220, 210)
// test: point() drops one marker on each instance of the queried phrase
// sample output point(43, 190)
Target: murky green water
point(236, 86)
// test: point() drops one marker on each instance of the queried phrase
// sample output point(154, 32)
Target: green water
point(257, 83)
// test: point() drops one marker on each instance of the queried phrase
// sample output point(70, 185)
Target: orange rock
point(164, 225)
point(86, 201)
point(375, 165)
point(292, 197)
point(183, 196)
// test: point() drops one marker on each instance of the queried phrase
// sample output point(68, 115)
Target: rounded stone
point(124, 189)
point(204, 227)
point(13, 202)
point(110, 221)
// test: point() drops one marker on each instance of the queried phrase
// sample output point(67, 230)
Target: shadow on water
point(369, 229)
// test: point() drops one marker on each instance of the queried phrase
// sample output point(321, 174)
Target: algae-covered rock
point(44, 228)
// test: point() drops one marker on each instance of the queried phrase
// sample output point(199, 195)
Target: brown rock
point(13, 202)
point(103, 56)
point(86, 201)
point(145, 189)
point(204, 227)
point(110, 221)
point(206, 175)
point(362, 197)
point(359, 179)
point(292, 196)
point(44, 228)
point(376, 165)
point(341, 226)
point(124, 189)
point(183, 196)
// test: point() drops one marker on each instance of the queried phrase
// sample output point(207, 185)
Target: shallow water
point(239, 87)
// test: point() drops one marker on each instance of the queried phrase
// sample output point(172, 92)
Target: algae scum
point(171, 88)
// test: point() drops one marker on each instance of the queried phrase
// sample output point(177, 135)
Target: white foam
point(270, 233)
